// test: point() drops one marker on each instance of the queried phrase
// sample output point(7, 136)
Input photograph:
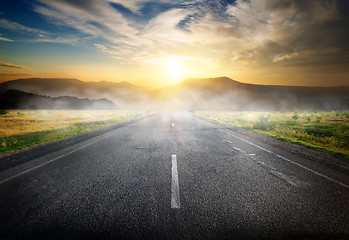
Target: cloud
point(5, 39)
point(115, 52)
point(93, 17)
point(140, 6)
point(3, 64)
point(14, 74)
point(290, 26)
point(283, 56)
point(71, 40)
point(246, 34)
point(132, 5)
point(4, 23)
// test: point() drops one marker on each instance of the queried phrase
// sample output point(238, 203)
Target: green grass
point(325, 131)
point(23, 129)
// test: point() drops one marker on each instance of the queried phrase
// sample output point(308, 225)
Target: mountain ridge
point(15, 99)
point(194, 93)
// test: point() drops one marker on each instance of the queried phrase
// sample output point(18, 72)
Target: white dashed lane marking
point(175, 199)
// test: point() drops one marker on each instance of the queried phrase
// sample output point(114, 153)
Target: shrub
point(295, 116)
point(318, 119)
point(263, 123)
point(345, 115)
point(3, 112)
point(333, 114)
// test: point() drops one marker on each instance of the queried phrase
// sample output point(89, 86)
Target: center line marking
point(172, 124)
point(175, 201)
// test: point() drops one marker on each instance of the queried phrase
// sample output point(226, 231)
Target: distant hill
point(58, 86)
point(220, 93)
point(15, 99)
point(226, 94)
point(122, 94)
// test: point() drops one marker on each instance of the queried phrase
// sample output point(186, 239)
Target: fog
point(192, 94)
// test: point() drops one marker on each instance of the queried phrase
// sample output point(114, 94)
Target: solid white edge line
point(175, 199)
point(52, 160)
point(290, 161)
point(313, 171)
point(246, 141)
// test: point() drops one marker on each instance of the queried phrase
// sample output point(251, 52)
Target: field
point(327, 131)
point(22, 129)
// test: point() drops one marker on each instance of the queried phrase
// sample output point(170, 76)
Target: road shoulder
point(313, 156)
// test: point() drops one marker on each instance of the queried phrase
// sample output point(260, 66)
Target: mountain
point(15, 99)
point(123, 94)
point(220, 93)
point(226, 94)
point(59, 86)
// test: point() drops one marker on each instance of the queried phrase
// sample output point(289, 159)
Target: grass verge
point(324, 131)
point(23, 129)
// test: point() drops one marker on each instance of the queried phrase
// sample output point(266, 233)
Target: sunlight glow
point(174, 69)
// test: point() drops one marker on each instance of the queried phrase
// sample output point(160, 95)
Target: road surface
point(174, 176)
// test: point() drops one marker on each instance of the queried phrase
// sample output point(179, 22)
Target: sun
point(175, 70)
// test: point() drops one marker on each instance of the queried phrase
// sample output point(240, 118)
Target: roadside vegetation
point(22, 129)
point(327, 131)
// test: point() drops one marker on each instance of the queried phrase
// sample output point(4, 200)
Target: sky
point(158, 43)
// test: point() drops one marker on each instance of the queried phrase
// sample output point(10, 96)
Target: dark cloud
point(343, 7)
point(299, 5)
point(298, 33)
point(83, 4)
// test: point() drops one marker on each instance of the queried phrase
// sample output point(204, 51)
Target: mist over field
point(192, 94)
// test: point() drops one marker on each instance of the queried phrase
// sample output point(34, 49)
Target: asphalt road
point(175, 176)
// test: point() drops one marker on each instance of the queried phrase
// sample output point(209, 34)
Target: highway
point(175, 176)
